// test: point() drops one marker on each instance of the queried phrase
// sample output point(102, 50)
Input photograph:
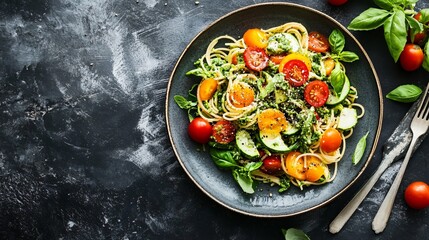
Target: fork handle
point(345, 214)
point(380, 220)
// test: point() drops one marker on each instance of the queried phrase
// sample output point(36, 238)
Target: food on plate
point(279, 104)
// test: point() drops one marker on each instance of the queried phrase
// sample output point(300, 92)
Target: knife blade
point(393, 149)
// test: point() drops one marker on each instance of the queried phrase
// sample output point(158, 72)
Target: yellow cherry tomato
point(272, 121)
point(331, 140)
point(241, 95)
point(314, 169)
point(293, 56)
point(329, 65)
point(295, 167)
point(207, 89)
point(255, 37)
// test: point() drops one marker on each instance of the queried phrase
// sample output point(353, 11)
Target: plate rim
point(376, 137)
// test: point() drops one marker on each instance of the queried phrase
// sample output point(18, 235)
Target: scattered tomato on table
point(337, 2)
point(411, 57)
point(417, 195)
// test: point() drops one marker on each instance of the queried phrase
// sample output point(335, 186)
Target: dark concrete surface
point(84, 151)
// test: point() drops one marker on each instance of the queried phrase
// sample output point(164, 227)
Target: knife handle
point(341, 219)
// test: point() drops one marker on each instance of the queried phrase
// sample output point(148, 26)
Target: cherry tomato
point(294, 56)
point(234, 59)
point(417, 195)
point(207, 88)
point(296, 72)
point(255, 38)
point(200, 130)
point(271, 164)
point(329, 65)
point(272, 121)
point(295, 167)
point(419, 38)
point(411, 57)
point(316, 93)
point(315, 169)
point(242, 95)
point(317, 42)
point(223, 132)
point(277, 59)
point(337, 2)
point(331, 140)
point(255, 58)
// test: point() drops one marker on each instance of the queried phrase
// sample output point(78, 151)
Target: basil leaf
point(225, 158)
point(369, 19)
point(415, 27)
point(360, 149)
point(294, 234)
point(425, 64)
point(385, 4)
point(244, 180)
point(405, 93)
point(337, 41)
point(348, 56)
point(183, 103)
point(424, 17)
point(252, 166)
point(337, 79)
point(395, 33)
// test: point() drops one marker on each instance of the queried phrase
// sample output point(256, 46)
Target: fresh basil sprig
point(337, 42)
point(396, 17)
point(405, 93)
point(360, 150)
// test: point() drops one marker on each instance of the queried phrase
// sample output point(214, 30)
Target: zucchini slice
point(246, 144)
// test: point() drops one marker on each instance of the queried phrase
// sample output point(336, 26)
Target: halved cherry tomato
point(223, 131)
point(331, 140)
point(255, 37)
point(294, 56)
point(271, 164)
point(296, 72)
point(316, 93)
point(277, 59)
point(315, 169)
point(411, 57)
point(234, 59)
point(207, 88)
point(255, 58)
point(417, 195)
point(200, 130)
point(241, 95)
point(329, 65)
point(295, 167)
point(317, 42)
point(272, 121)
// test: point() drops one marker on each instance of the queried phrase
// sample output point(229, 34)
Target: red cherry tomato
point(255, 58)
point(331, 140)
point(317, 42)
point(337, 2)
point(417, 195)
point(419, 38)
point(316, 93)
point(296, 72)
point(200, 130)
point(272, 164)
point(224, 132)
point(411, 57)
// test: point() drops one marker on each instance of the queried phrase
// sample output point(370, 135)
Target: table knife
point(393, 149)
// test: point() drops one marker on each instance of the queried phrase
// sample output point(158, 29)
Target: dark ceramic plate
point(266, 201)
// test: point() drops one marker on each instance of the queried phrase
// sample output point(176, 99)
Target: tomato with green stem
point(200, 130)
point(411, 57)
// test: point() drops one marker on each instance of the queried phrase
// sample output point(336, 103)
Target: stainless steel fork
point(419, 125)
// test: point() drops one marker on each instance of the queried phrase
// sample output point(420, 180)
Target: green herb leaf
point(348, 56)
point(415, 27)
point(225, 158)
point(183, 103)
point(337, 78)
point(337, 41)
point(294, 234)
point(360, 149)
point(395, 33)
point(424, 17)
point(371, 18)
point(425, 64)
point(252, 166)
point(387, 4)
point(244, 180)
point(405, 93)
